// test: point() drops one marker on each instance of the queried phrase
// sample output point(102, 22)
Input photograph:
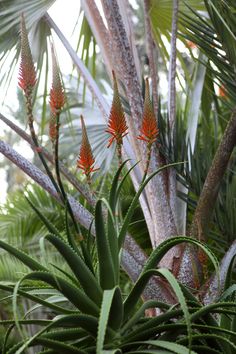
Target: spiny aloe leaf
point(37, 299)
point(65, 334)
point(114, 185)
point(72, 293)
point(162, 249)
point(174, 284)
point(152, 262)
point(103, 318)
point(106, 267)
point(124, 179)
point(222, 341)
point(116, 310)
point(141, 311)
point(79, 268)
point(146, 330)
point(60, 347)
point(112, 238)
point(209, 308)
point(22, 256)
point(175, 348)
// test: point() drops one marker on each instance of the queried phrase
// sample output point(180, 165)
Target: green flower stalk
point(57, 100)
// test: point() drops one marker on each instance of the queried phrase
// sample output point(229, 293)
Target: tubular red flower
point(57, 96)
point(116, 124)
point(27, 73)
point(86, 160)
point(149, 130)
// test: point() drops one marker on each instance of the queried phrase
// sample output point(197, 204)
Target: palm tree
point(166, 215)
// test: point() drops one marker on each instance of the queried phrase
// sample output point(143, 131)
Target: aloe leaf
point(128, 306)
point(223, 342)
point(228, 293)
point(112, 240)
point(174, 347)
point(103, 319)
point(114, 185)
point(116, 311)
point(48, 343)
point(162, 249)
point(134, 203)
point(65, 334)
point(106, 268)
point(71, 292)
point(209, 308)
point(141, 311)
point(124, 179)
point(22, 256)
point(180, 296)
point(59, 346)
point(79, 269)
point(37, 299)
point(152, 262)
point(146, 330)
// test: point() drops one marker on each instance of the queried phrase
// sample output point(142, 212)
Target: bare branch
point(151, 56)
point(172, 108)
point(206, 202)
point(214, 287)
point(126, 15)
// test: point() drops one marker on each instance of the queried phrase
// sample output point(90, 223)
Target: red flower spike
point(27, 73)
point(116, 124)
point(86, 160)
point(57, 96)
point(149, 130)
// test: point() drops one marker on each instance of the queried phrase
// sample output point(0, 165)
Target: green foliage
point(96, 316)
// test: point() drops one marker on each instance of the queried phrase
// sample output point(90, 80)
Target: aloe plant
point(159, 199)
point(89, 313)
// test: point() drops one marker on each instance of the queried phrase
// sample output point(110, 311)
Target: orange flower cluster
point(57, 96)
point(149, 130)
point(86, 160)
point(27, 73)
point(116, 124)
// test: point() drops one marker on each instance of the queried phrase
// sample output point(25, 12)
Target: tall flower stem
point(119, 153)
point(29, 108)
point(64, 198)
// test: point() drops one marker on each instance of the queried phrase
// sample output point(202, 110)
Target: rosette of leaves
point(85, 310)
